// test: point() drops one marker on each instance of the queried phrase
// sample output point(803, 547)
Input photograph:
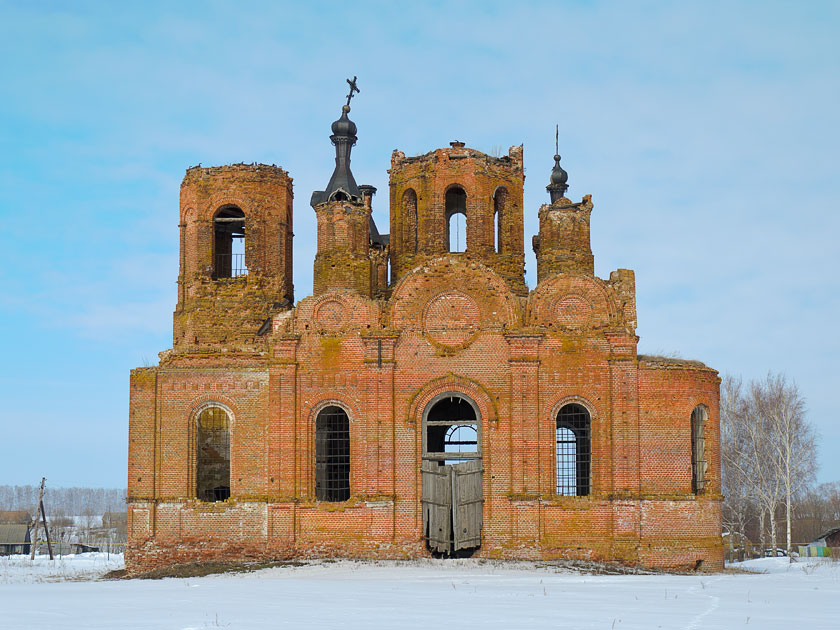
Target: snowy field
point(453, 594)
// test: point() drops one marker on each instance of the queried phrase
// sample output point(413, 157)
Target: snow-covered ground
point(80, 567)
point(450, 594)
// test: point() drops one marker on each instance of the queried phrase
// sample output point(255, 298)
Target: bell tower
point(460, 201)
point(236, 255)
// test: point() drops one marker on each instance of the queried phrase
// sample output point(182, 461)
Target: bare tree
point(737, 490)
point(747, 454)
point(768, 449)
point(794, 446)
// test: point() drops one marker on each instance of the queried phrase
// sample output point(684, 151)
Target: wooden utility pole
point(44, 521)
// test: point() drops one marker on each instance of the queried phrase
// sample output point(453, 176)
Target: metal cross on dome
point(353, 88)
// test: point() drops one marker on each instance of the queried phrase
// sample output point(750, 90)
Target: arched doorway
point(452, 470)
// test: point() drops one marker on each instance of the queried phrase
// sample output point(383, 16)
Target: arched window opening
point(332, 455)
point(573, 450)
point(698, 450)
point(499, 203)
point(212, 473)
point(452, 431)
point(409, 234)
point(229, 243)
point(456, 219)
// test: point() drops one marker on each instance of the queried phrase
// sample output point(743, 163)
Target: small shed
point(115, 520)
point(825, 545)
point(14, 538)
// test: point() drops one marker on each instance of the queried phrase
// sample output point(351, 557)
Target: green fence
point(814, 551)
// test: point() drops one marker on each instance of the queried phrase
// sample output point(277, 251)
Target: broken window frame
point(576, 419)
point(332, 454)
point(212, 449)
point(229, 229)
point(467, 417)
point(698, 449)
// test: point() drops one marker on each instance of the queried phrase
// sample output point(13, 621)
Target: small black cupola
point(557, 186)
point(342, 185)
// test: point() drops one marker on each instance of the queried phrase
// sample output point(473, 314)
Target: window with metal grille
point(698, 450)
point(573, 451)
point(212, 473)
point(332, 455)
point(229, 243)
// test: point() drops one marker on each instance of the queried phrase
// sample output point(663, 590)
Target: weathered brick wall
point(563, 244)
point(671, 389)
point(343, 259)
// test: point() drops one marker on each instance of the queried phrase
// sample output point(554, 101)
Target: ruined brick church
point(423, 401)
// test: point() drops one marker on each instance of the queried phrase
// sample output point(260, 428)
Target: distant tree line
point(769, 462)
point(64, 501)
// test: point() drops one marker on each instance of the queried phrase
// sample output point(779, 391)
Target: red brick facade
point(460, 324)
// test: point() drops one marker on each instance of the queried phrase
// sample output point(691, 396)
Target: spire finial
point(342, 185)
point(557, 186)
point(353, 88)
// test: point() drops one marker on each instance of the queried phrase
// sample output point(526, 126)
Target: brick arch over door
point(471, 388)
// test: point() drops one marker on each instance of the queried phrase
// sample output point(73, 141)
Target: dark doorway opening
point(452, 476)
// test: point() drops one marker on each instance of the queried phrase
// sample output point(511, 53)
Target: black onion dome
point(557, 186)
point(344, 126)
point(558, 175)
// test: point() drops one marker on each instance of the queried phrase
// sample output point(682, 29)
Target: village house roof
point(13, 533)
point(831, 533)
point(21, 517)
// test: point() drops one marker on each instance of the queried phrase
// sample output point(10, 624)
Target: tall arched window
point(229, 243)
point(456, 219)
point(698, 450)
point(499, 203)
point(573, 450)
point(409, 232)
point(212, 474)
point(332, 454)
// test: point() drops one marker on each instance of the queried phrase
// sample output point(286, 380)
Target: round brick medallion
point(331, 315)
point(573, 311)
point(451, 319)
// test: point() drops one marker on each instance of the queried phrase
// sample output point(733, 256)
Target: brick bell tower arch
point(458, 201)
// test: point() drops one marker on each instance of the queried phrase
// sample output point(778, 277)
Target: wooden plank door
point(467, 504)
point(437, 505)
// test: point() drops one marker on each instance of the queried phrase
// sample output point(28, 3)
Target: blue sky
point(707, 133)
